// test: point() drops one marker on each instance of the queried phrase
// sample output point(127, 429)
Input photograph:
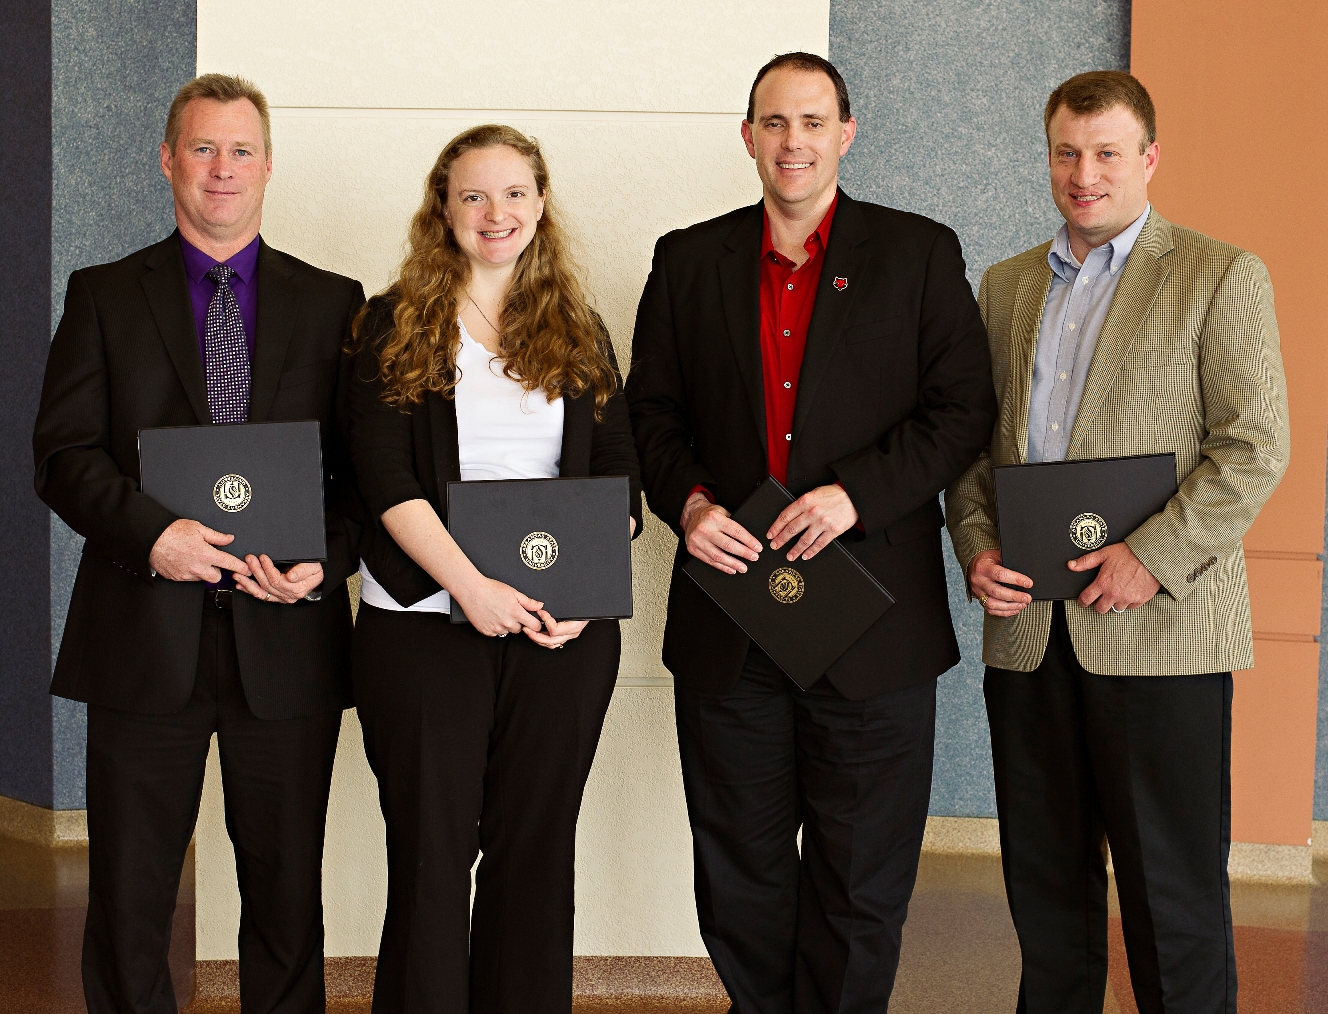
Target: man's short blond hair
point(222, 88)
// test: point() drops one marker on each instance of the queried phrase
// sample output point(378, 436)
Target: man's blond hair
point(222, 88)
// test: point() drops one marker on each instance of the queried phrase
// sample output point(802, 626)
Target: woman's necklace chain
point(483, 314)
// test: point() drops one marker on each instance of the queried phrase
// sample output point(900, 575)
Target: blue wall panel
point(949, 95)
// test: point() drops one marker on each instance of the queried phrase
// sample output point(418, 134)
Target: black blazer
point(125, 357)
point(895, 400)
point(412, 454)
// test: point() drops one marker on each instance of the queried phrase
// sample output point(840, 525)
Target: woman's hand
point(556, 634)
point(495, 609)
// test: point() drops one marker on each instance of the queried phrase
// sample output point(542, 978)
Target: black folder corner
point(1050, 513)
point(565, 542)
point(261, 482)
point(804, 614)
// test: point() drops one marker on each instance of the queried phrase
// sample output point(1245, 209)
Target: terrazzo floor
point(960, 953)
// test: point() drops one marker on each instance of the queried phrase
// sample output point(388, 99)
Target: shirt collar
point(197, 263)
point(820, 234)
point(1062, 260)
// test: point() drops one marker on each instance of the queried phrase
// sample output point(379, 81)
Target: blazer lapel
point(740, 286)
point(845, 257)
point(578, 431)
point(167, 292)
point(1030, 301)
point(1141, 279)
point(443, 436)
point(278, 308)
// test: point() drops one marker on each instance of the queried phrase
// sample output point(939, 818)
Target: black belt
point(218, 598)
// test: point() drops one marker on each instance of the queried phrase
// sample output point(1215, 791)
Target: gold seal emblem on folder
point(539, 550)
point(232, 493)
point(786, 585)
point(1088, 531)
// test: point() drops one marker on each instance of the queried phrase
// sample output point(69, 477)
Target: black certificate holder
point(564, 542)
point(804, 614)
point(261, 482)
point(1050, 513)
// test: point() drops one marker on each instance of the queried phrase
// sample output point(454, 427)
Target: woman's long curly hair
point(551, 338)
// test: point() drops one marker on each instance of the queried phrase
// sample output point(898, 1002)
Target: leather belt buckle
point(218, 598)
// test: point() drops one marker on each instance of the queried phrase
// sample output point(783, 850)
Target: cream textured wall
point(637, 106)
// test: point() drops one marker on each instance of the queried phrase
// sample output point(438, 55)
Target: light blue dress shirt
point(1076, 307)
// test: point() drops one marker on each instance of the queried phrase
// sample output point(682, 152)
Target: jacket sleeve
point(1247, 445)
point(956, 404)
point(612, 451)
point(970, 501)
point(657, 404)
point(381, 445)
point(75, 474)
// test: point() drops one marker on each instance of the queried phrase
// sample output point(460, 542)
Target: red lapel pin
point(841, 283)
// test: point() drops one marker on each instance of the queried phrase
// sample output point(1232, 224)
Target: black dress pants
point(818, 932)
point(479, 744)
point(1147, 761)
point(144, 782)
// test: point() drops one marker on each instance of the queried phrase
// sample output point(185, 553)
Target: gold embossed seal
point(232, 493)
point(1088, 531)
point(786, 585)
point(539, 550)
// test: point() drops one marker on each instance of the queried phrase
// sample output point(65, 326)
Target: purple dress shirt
point(201, 290)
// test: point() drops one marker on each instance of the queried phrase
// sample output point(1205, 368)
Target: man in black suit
point(837, 346)
point(208, 326)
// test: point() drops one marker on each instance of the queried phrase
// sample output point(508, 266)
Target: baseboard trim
point(962, 836)
point(599, 984)
point(40, 826)
point(1275, 864)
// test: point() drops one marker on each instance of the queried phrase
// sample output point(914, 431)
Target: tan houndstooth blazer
point(1188, 361)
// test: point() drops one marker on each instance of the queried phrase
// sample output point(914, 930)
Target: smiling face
point(218, 172)
point(1099, 176)
point(797, 139)
point(493, 205)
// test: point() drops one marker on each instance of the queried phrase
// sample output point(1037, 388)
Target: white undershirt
point(503, 432)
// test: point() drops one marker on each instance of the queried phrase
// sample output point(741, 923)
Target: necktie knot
point(221, 273)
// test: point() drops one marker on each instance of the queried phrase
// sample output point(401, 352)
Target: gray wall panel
point(949, 95)
point(116, 68)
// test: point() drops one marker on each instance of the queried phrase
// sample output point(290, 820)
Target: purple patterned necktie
point(226, 352)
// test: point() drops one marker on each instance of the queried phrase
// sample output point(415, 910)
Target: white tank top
point(503, 432)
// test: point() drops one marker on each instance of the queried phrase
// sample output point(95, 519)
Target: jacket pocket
point(874, 330)
point(303, 374)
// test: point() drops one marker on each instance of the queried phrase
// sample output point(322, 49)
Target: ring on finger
point(1115, 610)
point(983, 601)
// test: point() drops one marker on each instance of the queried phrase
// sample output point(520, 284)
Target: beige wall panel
point(513, 54)
point(638, 108)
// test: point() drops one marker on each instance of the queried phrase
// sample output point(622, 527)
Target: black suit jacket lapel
point(740, 286)
point(578, 434)
point(845, 257)
point(167, 291)
point(278, 307)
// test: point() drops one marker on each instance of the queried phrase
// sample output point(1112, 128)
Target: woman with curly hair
point(483, 360)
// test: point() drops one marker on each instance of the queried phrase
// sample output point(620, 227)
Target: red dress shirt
point(788, 297)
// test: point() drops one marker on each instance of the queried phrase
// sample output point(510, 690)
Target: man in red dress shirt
point(835, 345)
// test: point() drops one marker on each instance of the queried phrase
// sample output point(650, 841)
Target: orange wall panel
point(1272, 736)
point(1241, 92)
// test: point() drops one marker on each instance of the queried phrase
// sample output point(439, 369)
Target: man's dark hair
point(1100, 90)
point(803, 61)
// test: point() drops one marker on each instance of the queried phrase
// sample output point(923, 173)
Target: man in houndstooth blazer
point(1111, 715)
